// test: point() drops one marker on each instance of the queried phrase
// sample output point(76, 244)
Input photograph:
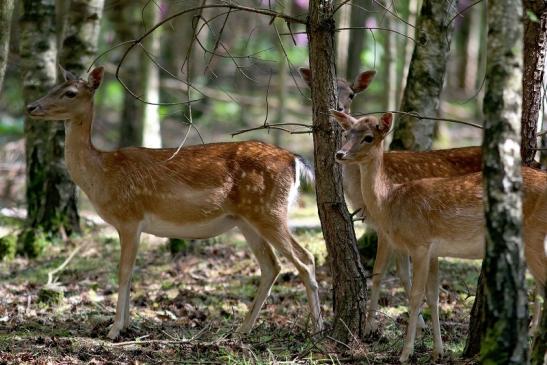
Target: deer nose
point(340, 108)
point(340, 155)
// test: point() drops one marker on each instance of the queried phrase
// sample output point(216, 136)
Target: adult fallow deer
point(434, 217)
point(198, 192)
point(401, 167)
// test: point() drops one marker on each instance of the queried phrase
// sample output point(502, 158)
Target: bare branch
point(421, 117)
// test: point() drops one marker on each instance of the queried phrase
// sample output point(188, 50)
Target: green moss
point(32, 242)
point(51, 296)
point(8, 247)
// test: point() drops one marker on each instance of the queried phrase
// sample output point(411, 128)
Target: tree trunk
point(390, 64)
point(504, 340)
point(539, 347)
point(6, 11)
point(410, 32)
point(425, 76)
point(125, 18)
point(50, 204)
point(535, 34)
point(356, 39)
point(349, 284)
point(81, 35)
point(476, 322)
point(151, 77)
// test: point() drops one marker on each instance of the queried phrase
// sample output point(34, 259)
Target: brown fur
point(196, 192)
point(434, 217)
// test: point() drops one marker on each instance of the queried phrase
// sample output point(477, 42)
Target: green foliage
point(50, 296)
point(177, 246)
point(367, 245)
point(32, 242)
point(225, 111)
point(532, 16)
point(8, 247)
point(110, 95)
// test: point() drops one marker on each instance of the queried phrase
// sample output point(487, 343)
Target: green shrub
point(8, 247)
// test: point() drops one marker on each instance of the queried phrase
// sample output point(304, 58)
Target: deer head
point(362, 136)
point(71, 98)
point(345, 91)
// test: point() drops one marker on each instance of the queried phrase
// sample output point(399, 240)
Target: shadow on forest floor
point(186, 309)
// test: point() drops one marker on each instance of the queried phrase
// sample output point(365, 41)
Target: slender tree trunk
point(50, 207)
point(425, 76)
point(151, 74)
point(539, 347)
point(390, 64)
point(6, 11)
point(349, 284)
point(504, 340)
point(126, 19)
point(535, 35)
point(409, 45)
point(472, 50)
point(342, 40)
point(81, 35)
point(356, 39)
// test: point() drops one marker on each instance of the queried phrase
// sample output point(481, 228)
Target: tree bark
point(49, 205)
point(356, 39)
point(349, 284)
point(151, 78)
point(539, 347)
point(81, 35)
point(425, 76)
point(535, 35)
point(504, 340)
point(6, 11)
point(125, 18)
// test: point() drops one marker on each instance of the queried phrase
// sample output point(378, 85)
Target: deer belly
point(472, 248)
point(195, 230)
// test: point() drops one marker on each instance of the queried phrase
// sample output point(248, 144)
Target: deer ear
point(385, 123)
point(95, 77)
point(362, 81)
point(344, 120)
point(306, 74)
point(67, 75)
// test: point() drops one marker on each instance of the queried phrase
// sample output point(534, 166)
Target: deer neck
point(375, 185)
point(82, 159)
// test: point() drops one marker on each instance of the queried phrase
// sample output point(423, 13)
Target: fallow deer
point(198, 192)
point(401, 166)
point(434, 217)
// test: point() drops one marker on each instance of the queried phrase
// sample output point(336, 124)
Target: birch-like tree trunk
point(6, 11)
point(151, 76)
point(425, 76)
point(535, 37)
point(504, 340)
point(81, 35)
point(348, 276)
point(50, 208)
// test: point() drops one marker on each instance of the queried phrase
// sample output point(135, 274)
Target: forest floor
point(185, 309)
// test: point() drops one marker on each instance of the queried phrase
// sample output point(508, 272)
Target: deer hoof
point(114, 332)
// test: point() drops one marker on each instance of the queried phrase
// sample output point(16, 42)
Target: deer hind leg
point(432, 297)
point(269, 270)
point(383, 256)
point(402, 265)
point(420, 270)
point(279, 236)
point(129, 241)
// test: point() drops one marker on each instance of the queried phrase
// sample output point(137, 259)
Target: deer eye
point(70, 94)
point(351, 96)
point(367, 139)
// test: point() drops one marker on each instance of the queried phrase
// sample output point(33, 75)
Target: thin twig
point(421, 117)
point(62, 266)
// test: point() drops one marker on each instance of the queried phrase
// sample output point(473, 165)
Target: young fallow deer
point(433, 217)
point(198, 192)
point(401, 166)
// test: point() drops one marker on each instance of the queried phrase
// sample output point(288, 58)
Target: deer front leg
point(420, 270)
point(432, 297)
point(383, 255)
point(129, 241)
point(402, 265)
